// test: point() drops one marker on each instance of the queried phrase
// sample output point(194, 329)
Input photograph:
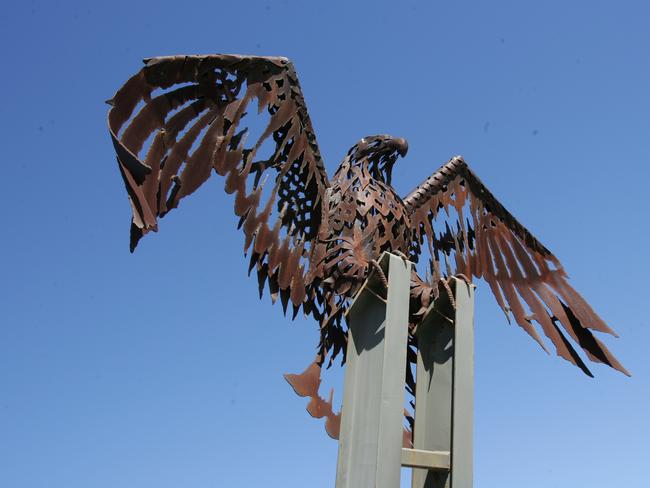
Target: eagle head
point(378, 154)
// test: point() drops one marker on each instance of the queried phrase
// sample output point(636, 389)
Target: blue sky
point(163, 368)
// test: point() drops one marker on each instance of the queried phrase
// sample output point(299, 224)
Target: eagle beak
point(402, 146)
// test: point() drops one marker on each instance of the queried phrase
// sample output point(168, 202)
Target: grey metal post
point(444, 399)
point(370, 441)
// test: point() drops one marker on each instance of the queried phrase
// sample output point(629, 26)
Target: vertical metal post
point(462, 414)
point(370, 442)
point(444, 398)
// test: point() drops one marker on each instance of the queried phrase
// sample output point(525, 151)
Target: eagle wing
point(476, 236)
point(181, 117)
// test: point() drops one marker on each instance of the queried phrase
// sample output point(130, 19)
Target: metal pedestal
point(370, 443)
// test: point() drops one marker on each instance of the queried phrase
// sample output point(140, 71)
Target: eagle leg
point(401, 255)
point(380, 272)
point(450, 294)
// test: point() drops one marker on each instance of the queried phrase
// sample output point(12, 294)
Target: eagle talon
point(380, 272)
point(450, 293)
point(463, 277)
point(400, 254)
point(445, 283)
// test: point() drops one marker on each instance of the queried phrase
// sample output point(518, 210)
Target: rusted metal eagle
point(313, 240)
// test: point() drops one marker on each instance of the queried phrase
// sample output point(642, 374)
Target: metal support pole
point(444, 399)
point(370, 442)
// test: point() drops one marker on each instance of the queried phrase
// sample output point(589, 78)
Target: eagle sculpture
point(313, 240)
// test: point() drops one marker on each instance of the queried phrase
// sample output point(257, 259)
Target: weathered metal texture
point(519, 269)
point(312, 241)
point(204, 98)
point(307, 384)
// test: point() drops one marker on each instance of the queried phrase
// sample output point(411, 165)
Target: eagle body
point(364, 217)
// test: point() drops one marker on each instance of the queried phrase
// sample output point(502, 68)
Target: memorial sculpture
point(313, 240)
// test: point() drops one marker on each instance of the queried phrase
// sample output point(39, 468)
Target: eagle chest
point(363, 218)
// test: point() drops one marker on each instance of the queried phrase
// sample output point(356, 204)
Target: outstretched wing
point(181, 117)
point(477, 236)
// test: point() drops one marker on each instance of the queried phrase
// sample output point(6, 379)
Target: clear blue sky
point(153, 369)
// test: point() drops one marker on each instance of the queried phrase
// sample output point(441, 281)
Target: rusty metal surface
point(524, 276)
point(312, 242)
point(307, 384)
